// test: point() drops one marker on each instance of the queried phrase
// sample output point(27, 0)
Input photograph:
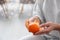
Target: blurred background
point(13, 14)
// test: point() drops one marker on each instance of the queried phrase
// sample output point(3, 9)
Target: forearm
point(58, 27)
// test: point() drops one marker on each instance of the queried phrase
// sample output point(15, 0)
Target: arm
point(37, 13)
point(48, 27)
point(58, 27)
point(37, 10)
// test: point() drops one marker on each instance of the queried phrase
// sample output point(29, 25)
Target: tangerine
point(34, 28)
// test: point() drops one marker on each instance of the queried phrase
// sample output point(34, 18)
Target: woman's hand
point(32, 19)
point(48, 27)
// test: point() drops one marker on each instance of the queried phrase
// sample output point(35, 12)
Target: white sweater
point(48, 10)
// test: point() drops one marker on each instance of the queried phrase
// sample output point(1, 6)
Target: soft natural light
point(12, 19)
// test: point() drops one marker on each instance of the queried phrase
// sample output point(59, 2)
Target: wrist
point(57, 27)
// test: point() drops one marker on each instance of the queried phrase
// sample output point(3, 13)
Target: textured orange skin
point(34, 28)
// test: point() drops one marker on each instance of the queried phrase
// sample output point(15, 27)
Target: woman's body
point(49, 13)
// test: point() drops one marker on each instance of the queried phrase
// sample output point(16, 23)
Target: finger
point(33, 33)
point(40, 32)
point(27, 23)
point(31, 19)
point(45, 31)
point(45, 24)
point(49, 29)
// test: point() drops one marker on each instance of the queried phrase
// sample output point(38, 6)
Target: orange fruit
point(34, 27)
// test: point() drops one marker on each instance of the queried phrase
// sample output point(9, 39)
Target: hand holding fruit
point(32, 24)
